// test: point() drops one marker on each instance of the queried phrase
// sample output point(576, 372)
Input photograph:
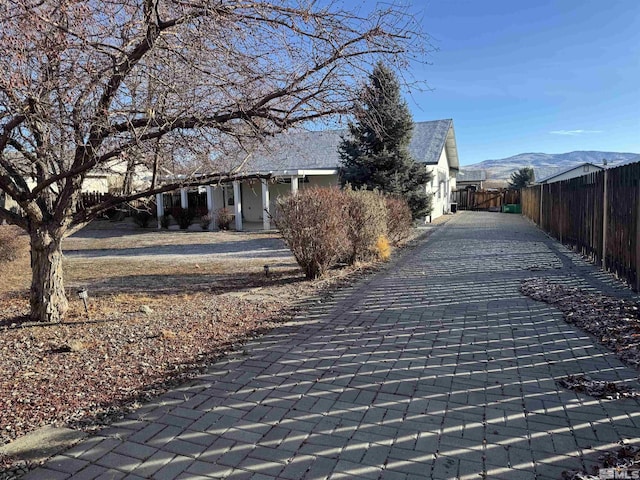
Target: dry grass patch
point(14, 243)
point(14, 259)
point(149, 325)
point(109, 276)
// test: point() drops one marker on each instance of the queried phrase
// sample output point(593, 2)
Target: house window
point(227, 193)
point(585, 168)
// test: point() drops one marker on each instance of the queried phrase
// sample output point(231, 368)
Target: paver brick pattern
point(436, 368)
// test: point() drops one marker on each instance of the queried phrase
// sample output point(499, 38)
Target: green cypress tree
point(375, 154)
point(522, 178)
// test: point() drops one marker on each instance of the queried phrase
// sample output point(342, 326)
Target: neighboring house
point(108, 179)
point(471, 178)
point(300, 159)
point(495, 184)
point(573, 172)
point(111, 178)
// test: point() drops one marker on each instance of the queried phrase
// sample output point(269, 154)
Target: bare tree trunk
point(48, 299)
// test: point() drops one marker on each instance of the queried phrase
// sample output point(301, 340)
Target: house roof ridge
point(313, 149)
point(568, 169)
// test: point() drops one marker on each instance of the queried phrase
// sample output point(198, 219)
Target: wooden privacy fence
point(597, 215)
point(93, 198)
point(484, 200)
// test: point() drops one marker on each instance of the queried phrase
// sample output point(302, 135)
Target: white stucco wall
point(252, 201)
point(322, 181)
point(277, 190)
point(442, 183)
point(252, 194)
point(218, 201)
point(95, 184)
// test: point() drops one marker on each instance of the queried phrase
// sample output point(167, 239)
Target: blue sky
point(521, 76)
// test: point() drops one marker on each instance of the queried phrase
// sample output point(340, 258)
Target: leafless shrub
point(205, 221)
point(367, 222)
point(183, 216)
point(399, 220)
point(312, 223)
point(165, 221)
point(142, 218)
point(224, 217)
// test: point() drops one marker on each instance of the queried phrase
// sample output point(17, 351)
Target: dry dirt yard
point(162, 305)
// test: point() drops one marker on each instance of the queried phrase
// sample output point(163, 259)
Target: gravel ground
point(613, 322)
point(163, 306)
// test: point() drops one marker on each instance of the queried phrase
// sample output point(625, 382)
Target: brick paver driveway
point(436, 368)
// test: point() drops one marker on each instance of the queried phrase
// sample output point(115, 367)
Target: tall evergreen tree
point(522, 178)
point(375, 154)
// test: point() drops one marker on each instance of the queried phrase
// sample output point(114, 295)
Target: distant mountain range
point(546, 164)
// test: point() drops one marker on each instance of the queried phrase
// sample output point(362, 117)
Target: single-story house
point(573, 172)
point(471, 178)
point(299, 159)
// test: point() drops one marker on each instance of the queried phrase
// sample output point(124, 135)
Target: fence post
point(560, 211)
point(605, 219)
point(540, 212)
point(638, 237)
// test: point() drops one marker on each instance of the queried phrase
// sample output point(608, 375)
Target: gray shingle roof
point(428, 140)
point(471, 176)
point(301, 150)
point(548, 178)
point(298, 150)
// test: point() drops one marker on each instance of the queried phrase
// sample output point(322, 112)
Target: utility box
point(454, 207)
point(512, 208)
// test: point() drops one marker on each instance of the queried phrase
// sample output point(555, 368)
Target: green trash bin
point(512, 208)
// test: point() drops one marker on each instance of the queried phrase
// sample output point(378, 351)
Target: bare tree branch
point(89, 88)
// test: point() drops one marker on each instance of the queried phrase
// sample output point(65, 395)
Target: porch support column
point(266, 219)
point(184, 198)
point(294, 184)
point(237, 205)
point(210, 205)
point(159, 207)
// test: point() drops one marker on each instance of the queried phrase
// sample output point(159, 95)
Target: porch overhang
point(300, 172)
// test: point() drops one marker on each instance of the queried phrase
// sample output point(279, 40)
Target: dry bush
point(13, 243)
point(183, 217)
point(312, 223)
point(399, 219)
point(205, 221)
point(367, 222)
point(142, 218)
point(224, 217)
point(382, 248)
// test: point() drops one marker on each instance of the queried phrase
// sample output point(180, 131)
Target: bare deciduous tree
point(89, 84)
